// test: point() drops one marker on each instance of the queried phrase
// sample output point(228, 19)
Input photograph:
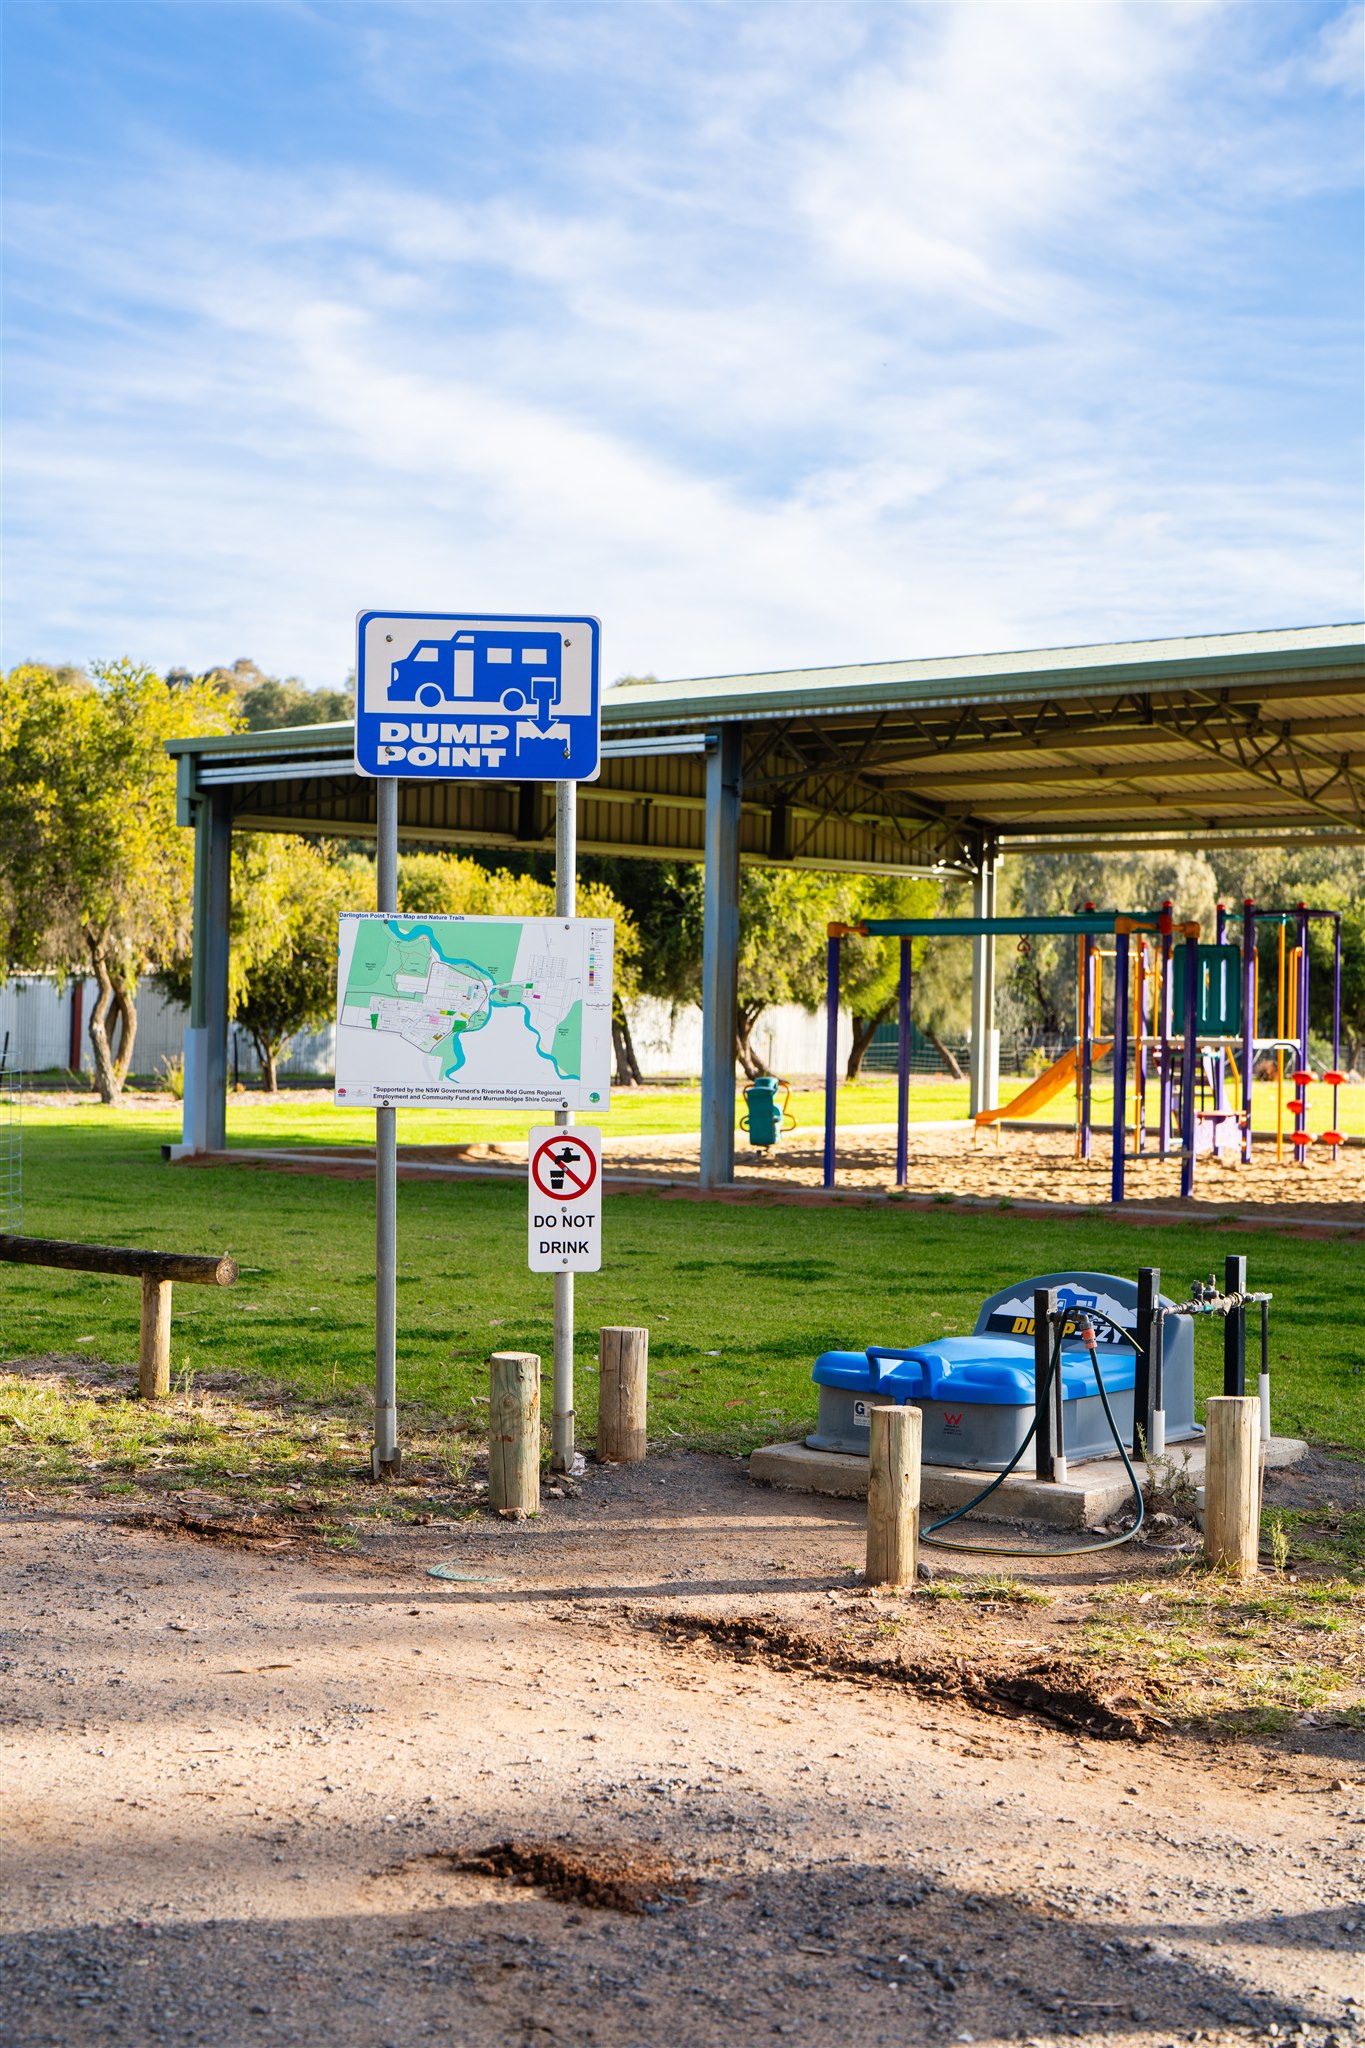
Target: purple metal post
point(1301, 1115)
point(903, 1068)
point(1187, 1071)
point(1166, 1026)
point(1087, 1034)
point(1220, 1064)
point(1120, 1065)
point(831, 1057)
point(1248, 1017)
point(1140, 1063)
point(1336, 1023)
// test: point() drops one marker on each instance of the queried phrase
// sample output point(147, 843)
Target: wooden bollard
point(622, 1396)
point(1232, 1483)
point(154, 1347)
point(893, 1495)
point(514, 1432)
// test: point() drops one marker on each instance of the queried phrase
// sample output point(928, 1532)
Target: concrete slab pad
point(1094, 1492)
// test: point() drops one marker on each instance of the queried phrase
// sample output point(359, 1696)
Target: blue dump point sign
point(457, 697)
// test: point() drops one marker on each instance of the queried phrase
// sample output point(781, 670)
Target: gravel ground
point(234, 1784)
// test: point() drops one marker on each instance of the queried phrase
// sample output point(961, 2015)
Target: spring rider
point(766, 1118)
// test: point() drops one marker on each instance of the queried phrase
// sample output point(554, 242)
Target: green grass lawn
point(634, 1112)
point(258, 1120)
point(738, 1299)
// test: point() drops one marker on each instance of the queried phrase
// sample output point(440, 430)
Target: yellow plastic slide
point(1060, 1075)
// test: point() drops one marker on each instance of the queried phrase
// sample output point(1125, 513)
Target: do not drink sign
point(564, 1185)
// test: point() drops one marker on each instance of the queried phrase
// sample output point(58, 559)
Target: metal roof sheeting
point(901, 766)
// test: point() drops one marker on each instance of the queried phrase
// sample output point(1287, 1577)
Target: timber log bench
point(156, 1271)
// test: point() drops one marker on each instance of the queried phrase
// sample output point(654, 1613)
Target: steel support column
point(985, 1089)
point(832, 951)
point(204, 1117)
point(720, 959)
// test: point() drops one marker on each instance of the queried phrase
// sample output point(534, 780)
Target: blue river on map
point(448, 1073)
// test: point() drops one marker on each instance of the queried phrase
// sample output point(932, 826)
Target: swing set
point(1214, 988)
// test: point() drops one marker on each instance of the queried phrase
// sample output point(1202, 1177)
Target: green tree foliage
point(784, 915)
point(663, 902)
point(451, 885)
point(1327, 878)
point(1038, 986)
point(1037, 978)
point(442, 884)
point(95, 874)
point(870, 968)
point(291, 893)
point(287, 894)
point(268, 702)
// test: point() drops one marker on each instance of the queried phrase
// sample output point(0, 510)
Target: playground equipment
point(766, 1118)
point(1062, 1074)
point(1070, 1362)
point(1213, 991)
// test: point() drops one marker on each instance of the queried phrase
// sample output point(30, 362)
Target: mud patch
point(1058, 1690)
point(614, 1880)
point(261, 1533)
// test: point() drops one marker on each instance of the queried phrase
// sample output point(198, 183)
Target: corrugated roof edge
point(980, 677)
point(925, 684)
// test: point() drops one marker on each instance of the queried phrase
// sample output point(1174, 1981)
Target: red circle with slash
point(576, 1176)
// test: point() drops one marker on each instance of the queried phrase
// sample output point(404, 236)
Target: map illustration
point(474, 1012)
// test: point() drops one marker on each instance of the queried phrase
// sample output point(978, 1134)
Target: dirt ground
point(238, 1783)
point(1036, 1166)
point(1029, 1167)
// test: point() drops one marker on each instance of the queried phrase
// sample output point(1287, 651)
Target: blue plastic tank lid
point(892, 1372)
point(990, 1371)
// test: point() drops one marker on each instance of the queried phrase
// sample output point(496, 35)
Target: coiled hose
point(937, 1542)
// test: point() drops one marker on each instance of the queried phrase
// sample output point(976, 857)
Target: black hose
point(1070, 1550)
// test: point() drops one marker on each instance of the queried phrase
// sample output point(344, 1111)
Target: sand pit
point(1029, 1166)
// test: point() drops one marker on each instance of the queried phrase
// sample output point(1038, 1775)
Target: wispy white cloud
point(777, 335)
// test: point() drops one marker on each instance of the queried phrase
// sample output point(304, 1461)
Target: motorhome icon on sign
point(458, 697)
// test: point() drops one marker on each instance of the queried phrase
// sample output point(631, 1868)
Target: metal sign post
point(384, 1456)
point(566, 905)
point(469, 697)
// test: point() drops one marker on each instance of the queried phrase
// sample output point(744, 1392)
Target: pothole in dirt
point(616, 1878)
point(1058, 1690)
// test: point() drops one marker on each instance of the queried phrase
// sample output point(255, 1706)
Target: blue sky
point(775, 335)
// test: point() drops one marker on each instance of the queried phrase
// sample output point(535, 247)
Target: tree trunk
point(125, 1010)
point(947, 1058)
point(107, 1078)
point(269, 1052)
point(628, 1073)
point(864, 1031)
point(746, 1016)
